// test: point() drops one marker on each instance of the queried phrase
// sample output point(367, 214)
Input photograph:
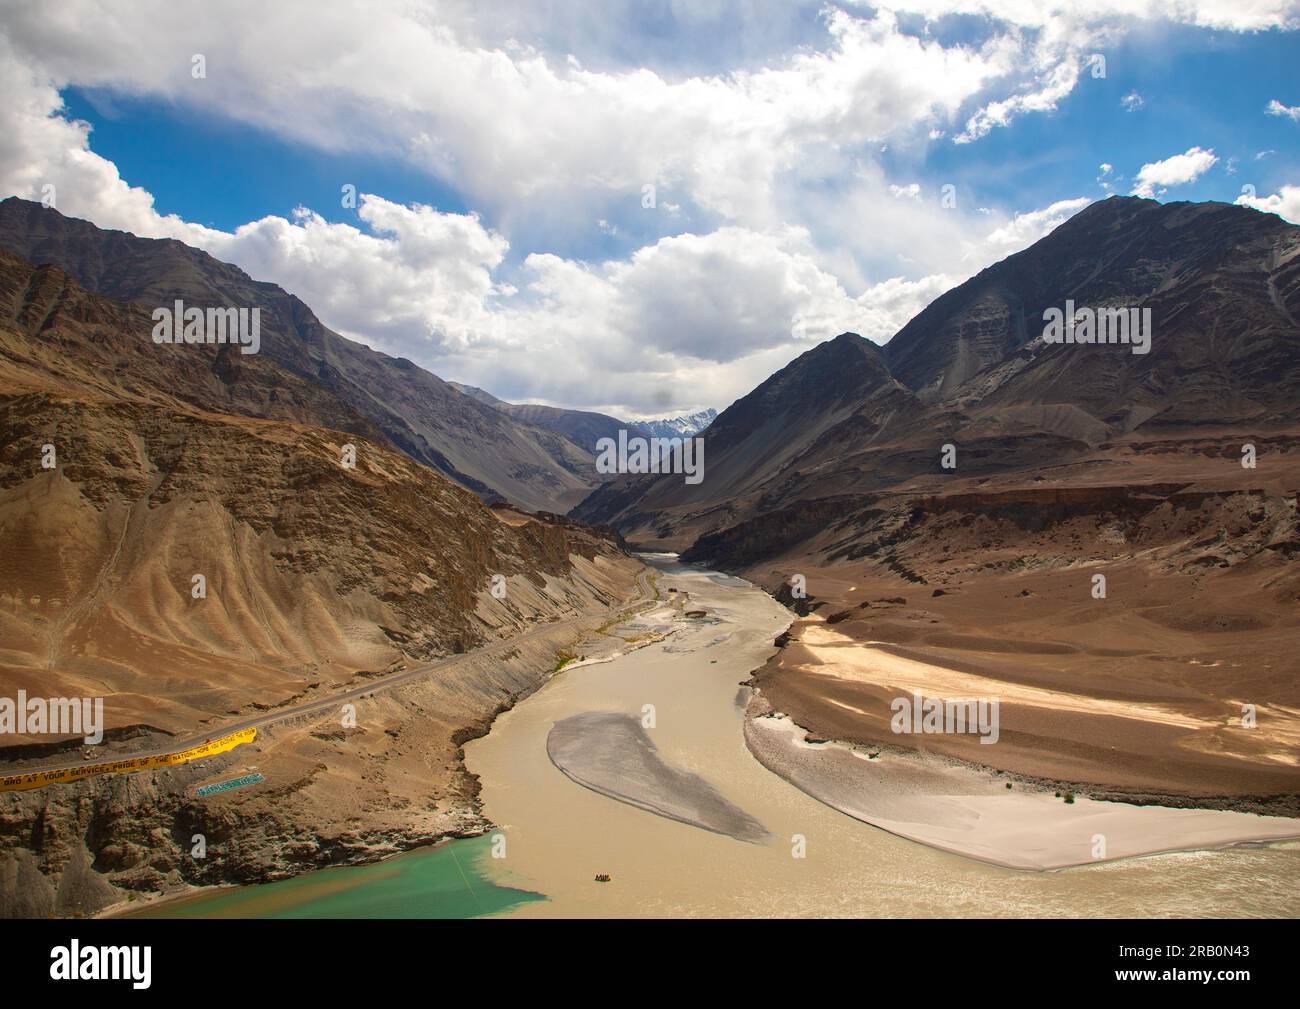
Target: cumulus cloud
point(522, 130)
point(1276, 108)
point(42, 148)
point(514, 127)
point(1156, 177)
point(1025, 229)
point(777, 225)
point(415, 276)
point(1285, 203)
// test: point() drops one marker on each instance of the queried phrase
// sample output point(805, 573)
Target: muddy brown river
point(558, 834)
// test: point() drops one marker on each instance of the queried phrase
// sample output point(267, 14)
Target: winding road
point(334, 700)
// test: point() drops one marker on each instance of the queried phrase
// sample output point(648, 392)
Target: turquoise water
point(449, 881)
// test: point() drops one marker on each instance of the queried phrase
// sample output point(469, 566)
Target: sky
point(638, 208)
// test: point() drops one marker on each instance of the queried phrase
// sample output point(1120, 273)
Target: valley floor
point(329, 794)
point(1112, 702)
point(661, 790)
point(661, 833)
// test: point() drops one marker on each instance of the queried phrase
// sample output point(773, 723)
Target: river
point(556, 835)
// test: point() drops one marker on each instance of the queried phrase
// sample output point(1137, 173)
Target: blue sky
point(223, 173)
point(1198, 88)
point(796, 153)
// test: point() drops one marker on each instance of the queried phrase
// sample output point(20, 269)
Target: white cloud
point(1276, 108)
point(1236, 15)
point(415, 277)
point(773, 164)
point(1028, 228)
point(512, 128)
point(42, 148)
point(1156, 177)
point(882, 310)
point(1133, 102)
point(530, 134)
point(1054, 84)
point(1285, 203)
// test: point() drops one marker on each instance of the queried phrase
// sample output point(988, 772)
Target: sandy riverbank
point(971, 811)
point(1130, 702)
point(818, 861)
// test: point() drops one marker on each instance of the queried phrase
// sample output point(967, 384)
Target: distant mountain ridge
point(499, 457)
point(679, 427)
point(972, 370)
point(584, 427)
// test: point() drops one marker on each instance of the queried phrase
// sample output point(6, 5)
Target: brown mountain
point(834, 394)
point(1194, 265)
point(1073, 461)
point(496, 456)
point(1222, 284)
point(172, 458)
point(183, 460)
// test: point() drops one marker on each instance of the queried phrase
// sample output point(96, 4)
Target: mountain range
point(585, 428)
point(195, 536)
point(500, 458)
point(972, 370)
point(1105, 540)
point(685, 426)
point(948, 499)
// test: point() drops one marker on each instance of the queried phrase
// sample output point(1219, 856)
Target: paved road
point(334, 700)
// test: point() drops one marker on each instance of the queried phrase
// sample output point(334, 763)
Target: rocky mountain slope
point(973, 371)
point(1069, 463)
point(171, 461)
point(1223, 286)
point(412, 410)
point(837, 397)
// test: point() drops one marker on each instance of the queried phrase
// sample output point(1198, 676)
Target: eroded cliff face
point(399, 404)
point(197, 536)
point(336, 790)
